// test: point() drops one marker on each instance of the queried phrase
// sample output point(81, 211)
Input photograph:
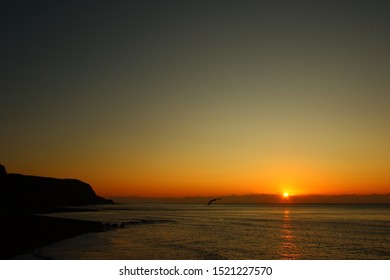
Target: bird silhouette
point(211, 201)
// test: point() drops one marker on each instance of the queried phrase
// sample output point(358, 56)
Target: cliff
point(22, 193)
point(2, 170)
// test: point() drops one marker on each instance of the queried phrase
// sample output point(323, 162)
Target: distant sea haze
point(267, 198)
point(231, 231)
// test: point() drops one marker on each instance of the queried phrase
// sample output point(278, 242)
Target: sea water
point(230, 231)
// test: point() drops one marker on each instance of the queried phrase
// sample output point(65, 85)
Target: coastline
point(25, 197)
point(23, 233)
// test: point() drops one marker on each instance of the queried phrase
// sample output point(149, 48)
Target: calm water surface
point(222, 231)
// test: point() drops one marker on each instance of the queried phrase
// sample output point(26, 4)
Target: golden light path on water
point(288, 247)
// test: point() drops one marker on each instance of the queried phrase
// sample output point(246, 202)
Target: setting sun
point(285, 195)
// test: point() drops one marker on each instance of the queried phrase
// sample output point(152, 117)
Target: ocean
point(230, 231)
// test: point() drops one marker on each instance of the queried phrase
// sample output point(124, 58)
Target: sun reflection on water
point(288, 248)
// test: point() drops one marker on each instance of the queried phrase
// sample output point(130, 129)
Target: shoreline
point(23, 233)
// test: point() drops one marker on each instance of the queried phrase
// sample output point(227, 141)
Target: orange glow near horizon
point(224, 179)
point(183, 188)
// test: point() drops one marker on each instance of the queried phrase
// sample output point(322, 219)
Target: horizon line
point(247, 195)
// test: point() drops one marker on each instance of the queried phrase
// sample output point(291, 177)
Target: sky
point(193, 98)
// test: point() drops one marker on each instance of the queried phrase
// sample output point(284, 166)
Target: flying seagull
point(211, 201)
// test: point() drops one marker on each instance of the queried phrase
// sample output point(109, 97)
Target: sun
point(285, 195)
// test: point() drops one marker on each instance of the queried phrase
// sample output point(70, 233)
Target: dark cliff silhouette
point(2, 170)
point(22, 197)
point(22, 193)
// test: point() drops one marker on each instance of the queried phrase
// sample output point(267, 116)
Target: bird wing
point(211, 201)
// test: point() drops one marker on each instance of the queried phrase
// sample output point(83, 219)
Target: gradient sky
point(182, 98)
